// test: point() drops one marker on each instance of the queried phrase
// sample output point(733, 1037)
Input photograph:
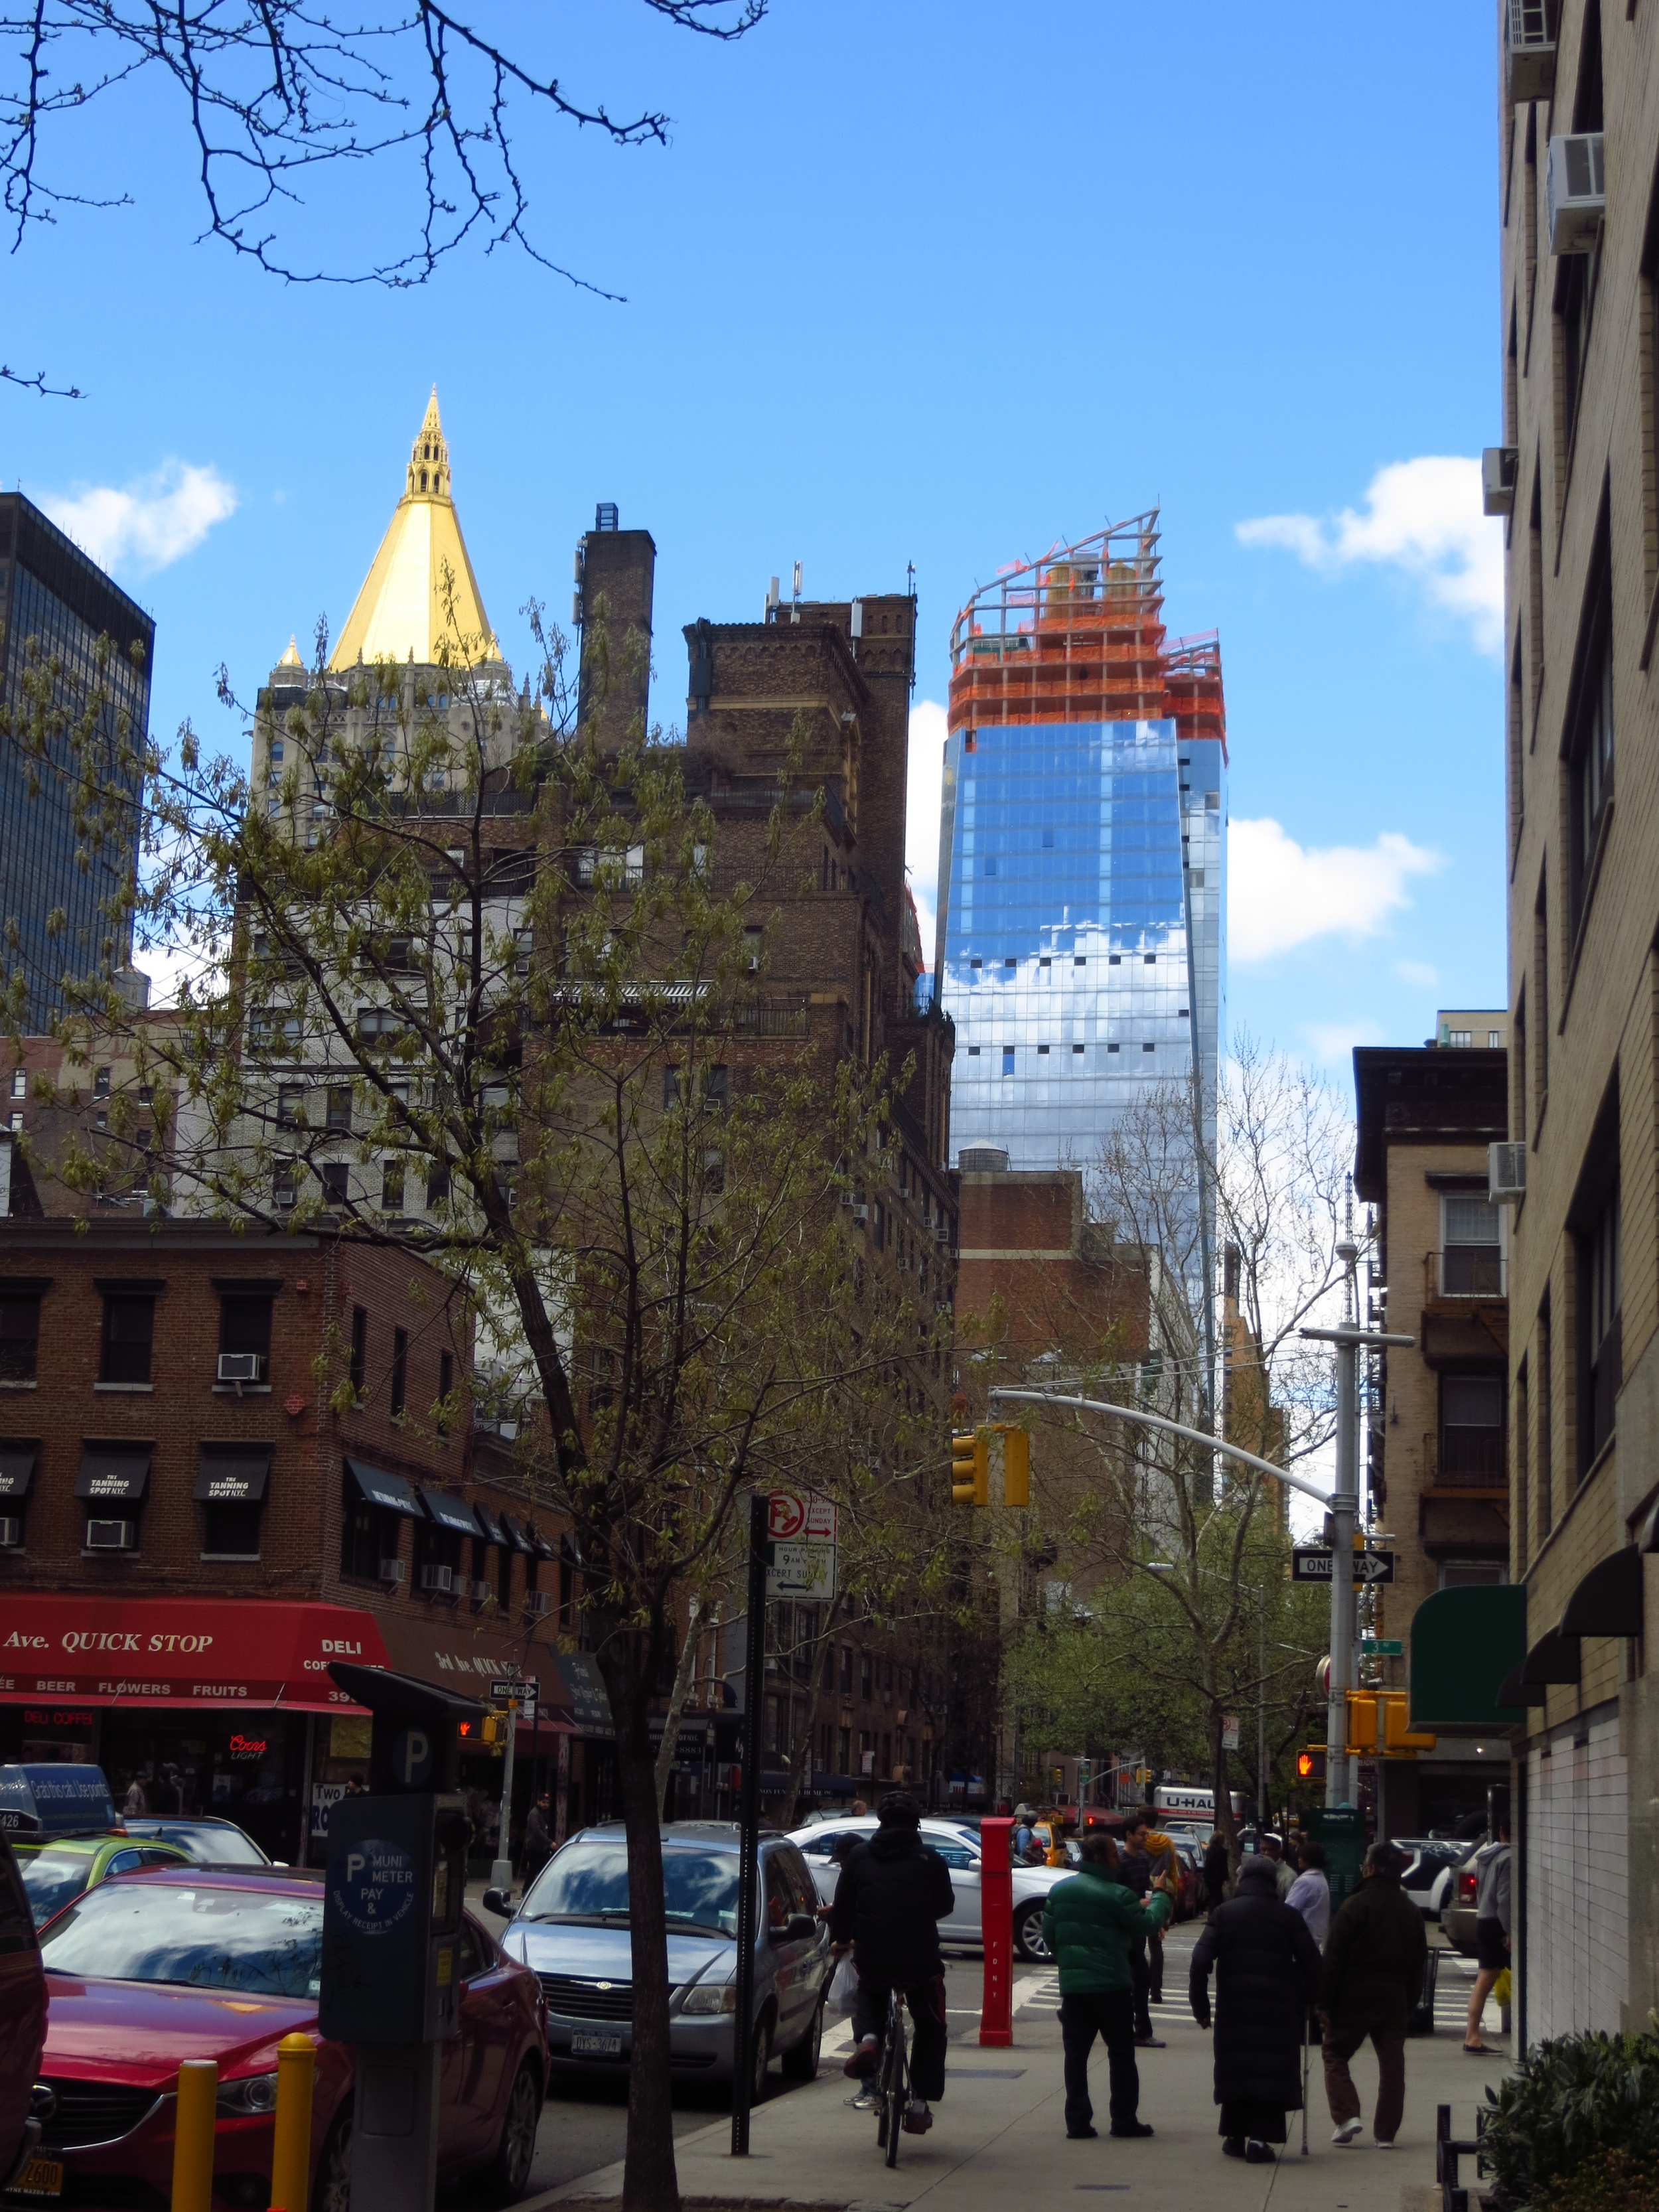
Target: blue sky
point(931, 282)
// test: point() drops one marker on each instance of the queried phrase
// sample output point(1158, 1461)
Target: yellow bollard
point(290, 2157)
point(193, 2135)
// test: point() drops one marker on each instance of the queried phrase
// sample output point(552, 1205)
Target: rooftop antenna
point(771, 599)
point(795, 604)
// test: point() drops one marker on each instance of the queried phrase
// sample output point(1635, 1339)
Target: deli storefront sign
point(180, 1651)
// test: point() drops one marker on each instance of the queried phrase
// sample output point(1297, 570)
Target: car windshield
point(52, 1878)
point(226, 1846)
point(207, 1939)
point(589, 1882)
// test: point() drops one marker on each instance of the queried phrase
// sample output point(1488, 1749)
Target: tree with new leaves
point(469, 991)
point(1186, 1547)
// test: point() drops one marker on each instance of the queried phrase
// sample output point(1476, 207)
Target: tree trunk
point(650, 2183)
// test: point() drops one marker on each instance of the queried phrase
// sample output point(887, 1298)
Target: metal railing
point(1466, 1458)
point(1466, 1270)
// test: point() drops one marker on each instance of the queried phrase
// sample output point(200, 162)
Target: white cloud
point(1423, 516)
point(926, 777)
point(1334, 1041)
point(149, 523)
point(1281, 893)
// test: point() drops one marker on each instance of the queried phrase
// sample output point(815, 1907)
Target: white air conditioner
point(394, 1570)
point(11, 1532)
point(1499, 466)
point(111, 1535)
point(1506, 1174)
point(537, 1605)
point(480, 1593)
point(860, 1211)
point(941, 1231)
point(1529, 49)
point(1575, 188)
point(239, 1366)
point(441, 1579)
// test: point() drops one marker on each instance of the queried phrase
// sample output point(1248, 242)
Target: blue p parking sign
point(371, 1885)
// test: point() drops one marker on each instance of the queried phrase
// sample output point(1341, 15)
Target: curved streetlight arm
point(1171, 1428)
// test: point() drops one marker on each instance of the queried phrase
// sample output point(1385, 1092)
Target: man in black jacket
point(892, 1893)
point(1372, 1982)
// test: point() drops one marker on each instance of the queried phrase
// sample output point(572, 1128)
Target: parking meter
point(392, 1896)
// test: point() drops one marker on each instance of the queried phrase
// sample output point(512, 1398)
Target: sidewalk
point(999, 2135)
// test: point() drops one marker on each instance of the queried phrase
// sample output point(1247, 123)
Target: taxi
point(61, 1823)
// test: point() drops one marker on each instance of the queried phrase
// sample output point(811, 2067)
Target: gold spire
point(399, 614)
point(291, 658)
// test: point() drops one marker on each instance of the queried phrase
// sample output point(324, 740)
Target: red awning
point(193, 1651)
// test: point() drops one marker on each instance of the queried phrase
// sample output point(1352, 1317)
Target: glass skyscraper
point(60, 808)
point(1083, 853)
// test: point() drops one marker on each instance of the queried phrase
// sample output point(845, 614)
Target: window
point(284, 1184)
point(566, 1589)
point(719, 1087)
point(339, 1106)
point(446, 1384)
point(1544, 1454)
point(1472, 1441)
point(844, 1751)
point(378, 1023)
point(504, 1580)
point(100, 1084)
point(20, 1083)
point(846, 1670)
point(1572, 318)
point(400, 1370)
point(129, 1326)
point(1460, 1038)
point(20, 1336)
point(754, 943)
point(1590, 742)
point(272, 1028)
point(391, 1184)
point(1467, 1574)
point(1007, 1060)
point(356, 1373)
point(670, 1088)
point(1599, 1304)
point(367, 1535)
point(245, 1326)
point(230, 1532)
point(1471, 1248)
point(291, 1105)
point(1522, 1462)
point(437, 1184)
point(1541, 989)
point(866, 1676)
point(336, 1182)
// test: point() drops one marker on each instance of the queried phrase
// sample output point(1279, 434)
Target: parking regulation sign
point(800, 1545)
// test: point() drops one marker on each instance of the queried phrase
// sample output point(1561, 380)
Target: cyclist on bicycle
point(892, 1893)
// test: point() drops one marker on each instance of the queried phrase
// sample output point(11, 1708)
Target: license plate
point(41, 2177)
point(585, 2043)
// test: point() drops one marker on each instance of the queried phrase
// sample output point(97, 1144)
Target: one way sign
point(1312, 1563)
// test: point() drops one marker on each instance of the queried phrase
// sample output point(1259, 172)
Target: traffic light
point(1362, 1724)
point(1015, 1467)
point(1310, 1764)
point(1397, 1736)
point(970, 1469)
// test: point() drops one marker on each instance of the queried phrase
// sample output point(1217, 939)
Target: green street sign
point(1381, 1647)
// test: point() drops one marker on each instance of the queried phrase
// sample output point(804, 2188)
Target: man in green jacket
point(1091, 1924)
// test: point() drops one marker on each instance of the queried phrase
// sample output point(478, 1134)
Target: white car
point(959, 1849)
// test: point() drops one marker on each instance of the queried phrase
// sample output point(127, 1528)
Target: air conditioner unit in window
point(1499, 466)
point(860, 1212)
point(480, 1593)
point(111, 1535)
point(441, 1579)
point(394, 1570)
point(11, 1532)
point(537, 1605)
point(239, 1366)
point(1529, 49)
point(1575, 188)
point(1506, 1174)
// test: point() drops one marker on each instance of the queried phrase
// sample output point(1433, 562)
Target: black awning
point(1514, 1691)
point(543, 1549)
point(115, 1476)
point(1554, 1658)
point(389, 1492)
point(515, 1535)
point(493, 1531)
point(1609, 1600)
point(233, 1475)
point(17, 1469)
point(449, 1512)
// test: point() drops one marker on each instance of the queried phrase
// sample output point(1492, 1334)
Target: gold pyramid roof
point(399, 613)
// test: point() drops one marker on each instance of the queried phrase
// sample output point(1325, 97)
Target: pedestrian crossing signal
point(970, 1469)
point(1310, 1764)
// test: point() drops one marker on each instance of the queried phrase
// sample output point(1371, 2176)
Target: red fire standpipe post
point(996, 1911)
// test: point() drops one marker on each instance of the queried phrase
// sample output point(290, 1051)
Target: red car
point(222, 1962)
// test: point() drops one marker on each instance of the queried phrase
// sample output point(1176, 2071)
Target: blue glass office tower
point(1082, 846)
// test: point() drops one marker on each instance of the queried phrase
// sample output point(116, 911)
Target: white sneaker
point(1347, 2132)
point(1383, 2144)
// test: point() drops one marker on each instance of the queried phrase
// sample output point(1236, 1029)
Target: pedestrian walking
point(1491, 1931)
point(1091, 1924)
point(538, 1838)
point(1310, 1894)
point(1022, 1837)
point(1215, 1870)
point(1371, 1985)
point(1137, 1871)
point(892, 1894)
point(135, 1806)
point(1273, 1850)
point(1267, 1968)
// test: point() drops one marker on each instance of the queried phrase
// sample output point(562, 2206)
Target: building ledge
point(126, 1389)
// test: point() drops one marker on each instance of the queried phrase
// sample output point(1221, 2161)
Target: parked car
point(959, 1847)
point(1457, 1915)
point(22, 2024)
point(56, 1869)
point(194, 1962)
point(1432, 1863)
point(571, 1928)
point(205, 1840)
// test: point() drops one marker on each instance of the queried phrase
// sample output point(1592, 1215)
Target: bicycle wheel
point(897, 2079)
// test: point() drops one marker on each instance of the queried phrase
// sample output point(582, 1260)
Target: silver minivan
point(571, 1929)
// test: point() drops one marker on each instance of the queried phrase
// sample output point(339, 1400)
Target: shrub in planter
point(1567, 2103)
point(1608, 2181)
